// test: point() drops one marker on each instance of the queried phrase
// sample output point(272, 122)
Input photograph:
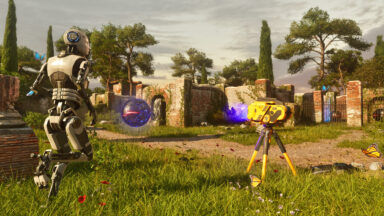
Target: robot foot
point(57, 176)
point(41, 181)
point(70, 157)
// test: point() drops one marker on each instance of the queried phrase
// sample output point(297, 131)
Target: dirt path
point(304, 155)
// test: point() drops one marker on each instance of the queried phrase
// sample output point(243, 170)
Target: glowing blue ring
point(71, 39)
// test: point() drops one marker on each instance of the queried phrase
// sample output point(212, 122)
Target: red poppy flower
point(161, 149)
point(150, 146)
point(177, 153)
point(102, 203)
point(257, 161)
point(232, 149)
point(105, 182)
point(282, 157)
point(217, 145)
point(222, 155)
point(81, 199)
point(275, 170)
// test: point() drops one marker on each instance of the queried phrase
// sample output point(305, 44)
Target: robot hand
point(32, 92)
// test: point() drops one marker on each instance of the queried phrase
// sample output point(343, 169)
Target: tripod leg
point(257, 147)
point(284, 151)
point(265, 154)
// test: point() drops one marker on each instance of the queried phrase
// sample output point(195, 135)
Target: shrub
point(35, 120)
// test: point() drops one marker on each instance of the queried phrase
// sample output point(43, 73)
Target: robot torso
point(62, 73)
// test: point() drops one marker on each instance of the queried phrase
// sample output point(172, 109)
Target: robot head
point(77, 42)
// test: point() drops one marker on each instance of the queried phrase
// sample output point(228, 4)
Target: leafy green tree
point(265, 57)
point(105, 53)
point(371, 73)
point(379, 48)
point(197, 62)
point(240, 72)
point(313, 37)
point(341, 68)
point(9, 56)
point(129, 39)
point(50, 51)
point(26, 58)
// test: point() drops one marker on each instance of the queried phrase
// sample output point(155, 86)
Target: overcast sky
point(225, 30)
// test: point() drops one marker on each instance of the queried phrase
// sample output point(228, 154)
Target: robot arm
point(39, 80)
point(83, 72)
point(81, 78)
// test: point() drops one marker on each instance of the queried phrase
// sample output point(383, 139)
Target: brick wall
point(354, 104)
point(318, 103)
point(17, 142)
point(16, 145)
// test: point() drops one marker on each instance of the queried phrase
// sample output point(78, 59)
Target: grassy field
point(375, 134)
point(164, 182)
point(291, 135)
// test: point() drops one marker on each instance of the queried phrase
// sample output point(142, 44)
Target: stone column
point(318, 104)
point(264, 87)
point(17, 141)
point(354, 104)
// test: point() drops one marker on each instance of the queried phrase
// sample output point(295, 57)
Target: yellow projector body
point(268, 112)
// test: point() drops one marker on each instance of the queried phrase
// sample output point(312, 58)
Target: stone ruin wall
point(17, 141)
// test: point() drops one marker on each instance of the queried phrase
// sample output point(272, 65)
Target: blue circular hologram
point(135, 112)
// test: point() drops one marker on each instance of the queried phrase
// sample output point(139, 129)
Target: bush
point(35, 120)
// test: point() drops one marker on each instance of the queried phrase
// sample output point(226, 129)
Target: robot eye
point(73, 36)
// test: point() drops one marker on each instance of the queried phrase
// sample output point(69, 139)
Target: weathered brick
point(354, 104)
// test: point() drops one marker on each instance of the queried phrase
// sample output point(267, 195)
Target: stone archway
point(376, 109)
point(158, 106)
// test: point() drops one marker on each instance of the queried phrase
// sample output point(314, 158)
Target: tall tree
point(241, 72)
point(50, 51)
point(197, 62)
point(105, 53)
point(9, 56)
point(379, 48)
point(265, 57)
point(371, 73)
point(129, 39)
point(313, 37)
point(341, 68)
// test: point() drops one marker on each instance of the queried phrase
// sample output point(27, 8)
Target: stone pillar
point(318, 104)
point(264, 87)
point(17, 141)
point(139, 91)
point(354, 104)
point(291, 90)
point(187, 103)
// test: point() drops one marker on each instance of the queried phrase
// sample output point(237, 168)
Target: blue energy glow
point(236, 114)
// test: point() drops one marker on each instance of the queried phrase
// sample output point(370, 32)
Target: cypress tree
point(379, 49)
point(50, 51)
point(204, 79)
point(9, 57)
point(265, 57)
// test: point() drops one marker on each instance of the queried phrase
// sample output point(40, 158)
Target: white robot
point(67, 73)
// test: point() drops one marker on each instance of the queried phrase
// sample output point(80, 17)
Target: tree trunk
point(322, 62)
point(129, 76)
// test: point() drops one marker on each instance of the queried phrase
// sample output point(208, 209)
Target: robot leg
point(57, 175)
point(78, 136)
point(59, 142)
point(40, 176)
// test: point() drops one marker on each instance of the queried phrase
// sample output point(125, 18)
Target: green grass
point(160, 182)
point(375, 134)
point(290, 135)
point(162, 131)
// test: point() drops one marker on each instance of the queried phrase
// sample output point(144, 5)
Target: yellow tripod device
point(265, 135)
